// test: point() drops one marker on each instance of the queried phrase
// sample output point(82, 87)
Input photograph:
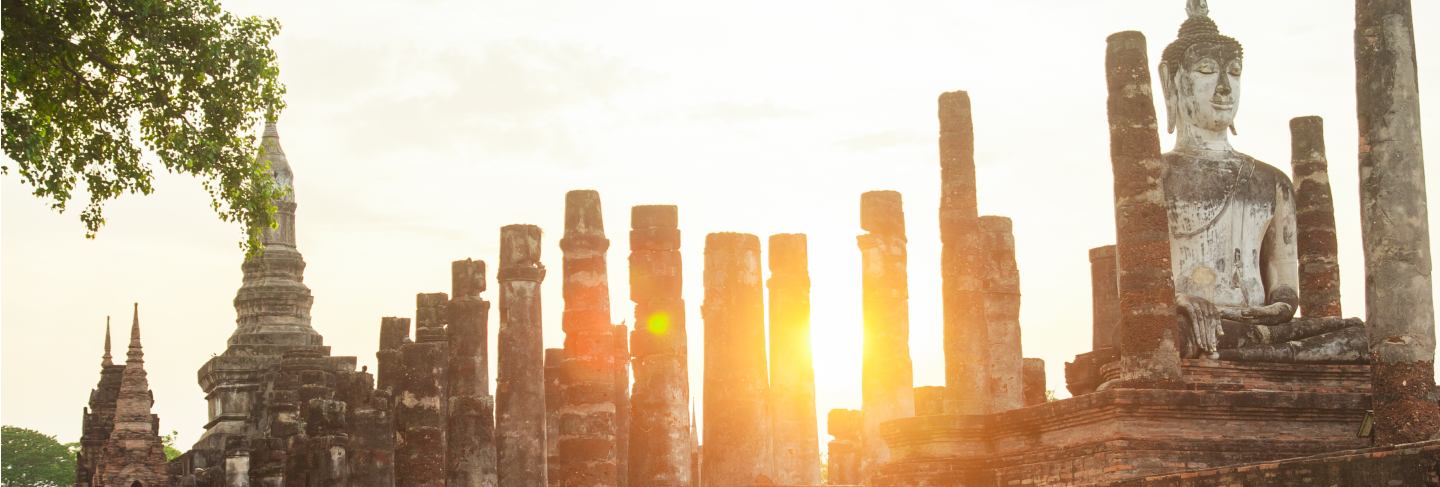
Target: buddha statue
point(1232, 220)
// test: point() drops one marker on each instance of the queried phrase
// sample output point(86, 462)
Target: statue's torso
point(1220, 212)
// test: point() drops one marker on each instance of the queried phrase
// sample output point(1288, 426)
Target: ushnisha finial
point(1197, 8)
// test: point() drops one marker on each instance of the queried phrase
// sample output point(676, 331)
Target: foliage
point(1050, 395)
point(170, 451)
point(31, 458)
point(86, 82)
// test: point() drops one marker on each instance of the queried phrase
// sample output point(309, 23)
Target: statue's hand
point(1270, 314)
point(1204, 319)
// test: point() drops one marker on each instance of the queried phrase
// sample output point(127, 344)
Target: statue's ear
point(1172, 102)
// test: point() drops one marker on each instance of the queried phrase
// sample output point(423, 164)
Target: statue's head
point(1200, 74)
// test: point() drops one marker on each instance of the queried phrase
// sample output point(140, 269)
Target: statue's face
point(1207, 87)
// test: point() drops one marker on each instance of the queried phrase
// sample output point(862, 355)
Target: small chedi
point(1219, 353)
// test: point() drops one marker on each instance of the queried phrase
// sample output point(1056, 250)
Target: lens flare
point(658, 323)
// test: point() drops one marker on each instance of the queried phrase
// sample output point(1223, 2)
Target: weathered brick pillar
point(520, 371)
point(843, 467)
point(962, 262)
point(792, 369)
point(660, 452)
point(1002, 315)
point(1314, 220)
point(1399, 309)
point(620, 340)
point(1034, 381)
point(1149, 353)
point(886, 386)
point(420, 399)
point(470, 456)
point(587, 425)
point(737, 421)
point(389, 366)
point(554, 397)
point(1104, 298)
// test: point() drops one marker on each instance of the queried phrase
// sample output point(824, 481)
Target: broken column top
point(882, 212)
point(1106, 252)
point(955, 112)
point(393, 332)
point(520, 254)
point(996, 224)
point(430, 316)
point(582, 214)
point(654, 216)
point(1307, 135)
point(467, 278)
point(738, 244)
point(788, 251)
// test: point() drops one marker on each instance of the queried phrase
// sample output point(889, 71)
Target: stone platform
point(1122, 434)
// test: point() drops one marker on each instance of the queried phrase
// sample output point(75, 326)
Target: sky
point(417, 129)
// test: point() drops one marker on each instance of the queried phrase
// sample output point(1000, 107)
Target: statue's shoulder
point(1262, 171)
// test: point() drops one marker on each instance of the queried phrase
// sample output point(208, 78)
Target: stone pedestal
point(470, 435)
point(660, 450)
point(737, 420)
point(792, 371)
point(1314, 220)
point(1104, 299)
point(520, 372)
point(887, 382)
point(1394, 223)
point(961, 260)
point(1149, 353)
point(586, 444)
point(1002, 315)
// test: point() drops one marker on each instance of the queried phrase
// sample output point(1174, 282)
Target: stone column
point(1034, 382)
point(1104, 298)
point(1399, 309)
point(843, 467)
point(792, 370)
point(659, 407)
point(520, 371)
point(962, 263)
point(886, 386)
point(470, 455)
point(620, 346)
point(587, 428)
point(419, 402)
point(1314, 220)
point(737, 421)
point(1002, 315)
point(554, 396)
point(1149, 353)
point(394, 332)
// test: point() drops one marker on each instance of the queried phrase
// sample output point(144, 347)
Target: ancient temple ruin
point(1218, 355)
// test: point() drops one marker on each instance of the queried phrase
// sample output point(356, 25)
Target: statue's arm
point(1280, 262)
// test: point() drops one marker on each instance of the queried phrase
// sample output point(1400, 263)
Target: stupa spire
point(106, 359)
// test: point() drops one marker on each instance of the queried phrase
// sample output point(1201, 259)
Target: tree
point(31, 458)
point(86, 82)
point(169, 441)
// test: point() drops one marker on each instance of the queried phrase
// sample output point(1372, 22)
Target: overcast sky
point(417, 129)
